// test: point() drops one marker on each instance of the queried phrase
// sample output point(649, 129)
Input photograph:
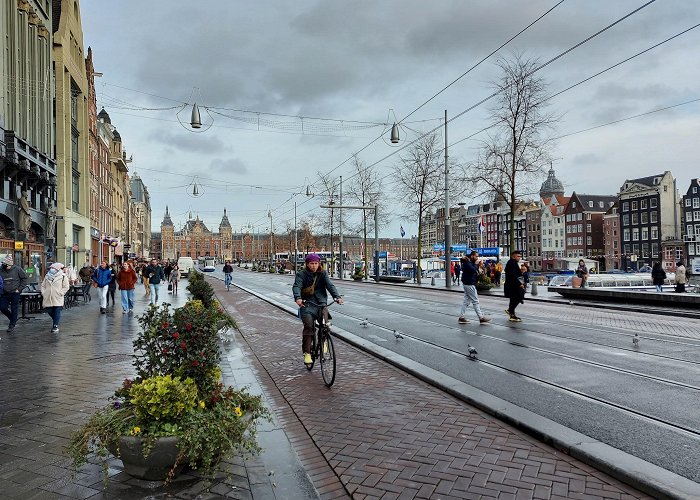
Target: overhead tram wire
point(450, 84)
point(485, 58)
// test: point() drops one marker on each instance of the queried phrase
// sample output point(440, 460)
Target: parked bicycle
point(322, 345)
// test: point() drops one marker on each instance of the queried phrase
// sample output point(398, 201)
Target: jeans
point(102, 295)
point(658, 288)
point(10, 300)
point(127, 299)
point(471, 297)
point(55, 313)
point(155, 287)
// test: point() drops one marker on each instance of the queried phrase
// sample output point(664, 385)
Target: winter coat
point(54, 288)
point(14, 279)
point(86, 273)
point(681, 278)
point(512, 287)
point(658, 275)
point(469, 272)
point(154, 274)
point(102, 276)
point(305, 278)
point(127, 279)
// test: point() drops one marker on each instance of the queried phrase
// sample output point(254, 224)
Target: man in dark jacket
point(514, 287)
point(470, 272)
point(309, 291)
point(14, 279)
point(154, 274)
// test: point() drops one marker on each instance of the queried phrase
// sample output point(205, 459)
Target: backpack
point(2, 285)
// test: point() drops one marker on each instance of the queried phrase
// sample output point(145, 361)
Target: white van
point(185, 264)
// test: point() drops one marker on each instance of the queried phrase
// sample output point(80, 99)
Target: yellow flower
point(135, 430)
point(238, 411)
point(201, 404)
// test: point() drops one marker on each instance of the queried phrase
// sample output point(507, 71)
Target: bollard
point(432, 281)
point(533, 288)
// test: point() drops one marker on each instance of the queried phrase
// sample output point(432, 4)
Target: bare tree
point(519, 146)
point(330, 188)
point(420, 177)
point(367, 190)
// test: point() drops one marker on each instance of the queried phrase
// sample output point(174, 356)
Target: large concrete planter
point(154, 467)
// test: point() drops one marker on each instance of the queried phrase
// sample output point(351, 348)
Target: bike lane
point(381, 433)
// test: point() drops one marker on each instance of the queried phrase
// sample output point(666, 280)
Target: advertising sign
point(696, 265)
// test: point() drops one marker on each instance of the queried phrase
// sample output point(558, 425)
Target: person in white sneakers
point(53, 291)
point(470, 271)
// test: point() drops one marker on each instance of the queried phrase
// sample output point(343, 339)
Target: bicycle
point(322, 346)
point(227, 281)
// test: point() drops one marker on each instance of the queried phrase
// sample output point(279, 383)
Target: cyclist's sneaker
point(307, 358)
point(484, 319)
point(462, 320)
point(513, 317)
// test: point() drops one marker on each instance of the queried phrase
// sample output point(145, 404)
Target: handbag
point(309, 290)
point(170, 287)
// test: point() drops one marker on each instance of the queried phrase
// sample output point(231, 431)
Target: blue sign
point(483, 252)
point(382, 255)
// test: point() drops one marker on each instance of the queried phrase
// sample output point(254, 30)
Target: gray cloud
point(228, 166)
point(586, 159)
point(190, 142)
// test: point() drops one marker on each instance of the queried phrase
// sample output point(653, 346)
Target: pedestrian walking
point(458, 271)
point(681, 278)
point(112, 287)
point(53, 292)
point(167, 270)
point(144, 280)
point(85, 275)
point(14, 279)
point(658, 276)
point(174, 278)
point(514, 287)
point(100, 280)
point(126, 279)
point(470, 272)
point(154, 274)
point(497, 272)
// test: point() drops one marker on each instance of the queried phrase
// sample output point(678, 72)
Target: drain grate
point(112, 358)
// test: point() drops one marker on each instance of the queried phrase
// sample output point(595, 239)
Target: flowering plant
point(177, 392)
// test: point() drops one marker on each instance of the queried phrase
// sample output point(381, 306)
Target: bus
point(325, 256)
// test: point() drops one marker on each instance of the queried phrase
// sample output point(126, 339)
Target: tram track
point(695, 433)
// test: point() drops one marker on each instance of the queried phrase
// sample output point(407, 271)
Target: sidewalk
point(385, 434)
point(49, 383)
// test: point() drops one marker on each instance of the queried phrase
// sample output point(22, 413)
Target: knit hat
point(57, 265)
point(8, 260)
point(312, 257)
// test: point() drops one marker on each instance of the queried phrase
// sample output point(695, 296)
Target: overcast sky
point(353, 61)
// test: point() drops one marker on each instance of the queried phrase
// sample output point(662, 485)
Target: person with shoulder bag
point(681, 277)
point(53, 292)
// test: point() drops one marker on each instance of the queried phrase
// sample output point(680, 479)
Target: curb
point(633, 471)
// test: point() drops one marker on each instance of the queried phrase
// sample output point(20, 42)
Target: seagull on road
point(397, 335)
point(472, 352)
point(635, 340)
point(364, 323)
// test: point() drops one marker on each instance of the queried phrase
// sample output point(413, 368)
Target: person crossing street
point(470, 271)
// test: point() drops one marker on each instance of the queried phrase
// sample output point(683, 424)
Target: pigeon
point(364, 323)
point(635, 340)
point(472, 352)
point(397, 335)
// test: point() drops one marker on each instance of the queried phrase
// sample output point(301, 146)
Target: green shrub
point(201, 290)
point(163, 397)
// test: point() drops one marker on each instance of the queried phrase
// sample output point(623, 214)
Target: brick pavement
point(50, 383)
point(388, 435)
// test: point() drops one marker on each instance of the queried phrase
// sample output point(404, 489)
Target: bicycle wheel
point(326, 353)
point(310, 366)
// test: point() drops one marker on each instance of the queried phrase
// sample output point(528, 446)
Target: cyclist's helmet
point(312, 257)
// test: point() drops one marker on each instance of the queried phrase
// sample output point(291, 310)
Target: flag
point(403, 233)
point(481, 227)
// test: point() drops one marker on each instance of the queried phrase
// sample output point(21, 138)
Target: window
point(601, 204)
point(689, 229)
point(626, 220)
point(615, 244)
point(627, 249)
point(589, 240)
point(652, 203)
point(590, 204)
point(580, 216)
point(573, 204)
point(589, 228)
point(696, 215)
point(589, 216)
point(634, 205)
point(645, 233)
point(645, 250)
point(645, 217)
point(580, 240)
point(75, 191)
point(687, 202)
point(653, 216)
point(635, 234)
point(642, 204)
point(579, 228)
point(695, 189)
point(654, 250)
point(625, 207)
point(635, 218)
point(635, 248)
point(626, 234)
point(696, 202)
point(654, 233)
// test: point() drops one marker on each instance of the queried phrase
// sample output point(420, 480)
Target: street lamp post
point(269, 214)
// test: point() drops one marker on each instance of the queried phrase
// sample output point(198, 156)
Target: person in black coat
point(514, 287)
point(658, 276)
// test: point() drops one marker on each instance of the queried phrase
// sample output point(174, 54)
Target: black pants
point(680, 287)
point(512, 304)
point(110, 293)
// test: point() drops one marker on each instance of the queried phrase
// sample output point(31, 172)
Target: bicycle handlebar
point(309, 302)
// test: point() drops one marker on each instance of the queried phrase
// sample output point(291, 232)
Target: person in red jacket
point(126, 279)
